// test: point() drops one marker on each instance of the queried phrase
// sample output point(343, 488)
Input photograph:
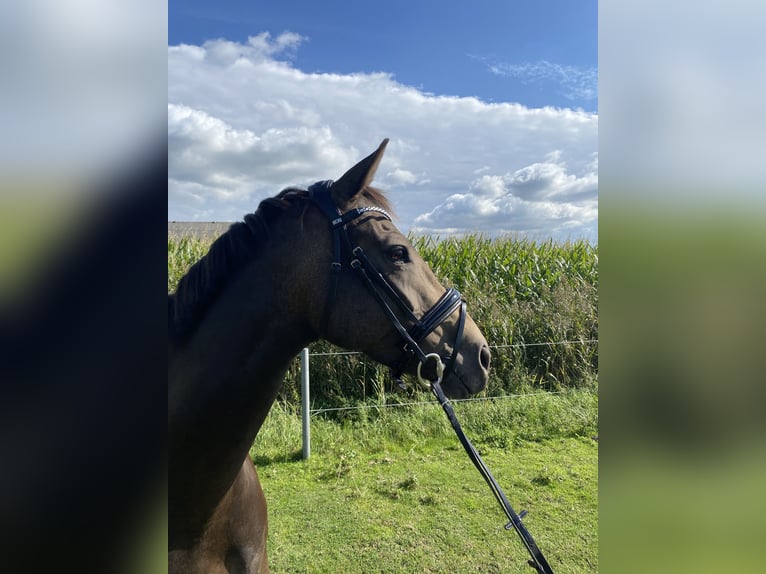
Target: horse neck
point(223, 381)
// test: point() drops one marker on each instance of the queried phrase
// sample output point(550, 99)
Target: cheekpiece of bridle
point(385, 293)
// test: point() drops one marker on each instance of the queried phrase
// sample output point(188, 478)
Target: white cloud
point(403, 177)
point(539, 200)
point(575, 83)
point(243, 123)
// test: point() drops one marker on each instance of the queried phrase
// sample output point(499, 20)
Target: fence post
point(305, 415)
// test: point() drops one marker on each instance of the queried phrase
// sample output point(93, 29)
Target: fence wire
point(387, 405)
point(313, 412)
point(509, 346)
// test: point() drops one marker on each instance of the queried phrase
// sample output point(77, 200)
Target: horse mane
point(228, 255)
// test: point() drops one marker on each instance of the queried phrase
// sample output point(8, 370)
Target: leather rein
point(450, 301)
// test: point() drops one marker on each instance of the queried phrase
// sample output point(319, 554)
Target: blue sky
point(491, 108)
point(538, 53)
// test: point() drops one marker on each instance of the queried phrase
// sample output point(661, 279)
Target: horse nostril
point(484, 357)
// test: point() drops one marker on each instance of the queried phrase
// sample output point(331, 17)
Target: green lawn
point(393, 491)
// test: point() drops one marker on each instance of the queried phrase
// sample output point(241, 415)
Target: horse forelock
point(378, 197)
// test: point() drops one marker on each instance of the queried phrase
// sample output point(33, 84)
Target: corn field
point(523, 295)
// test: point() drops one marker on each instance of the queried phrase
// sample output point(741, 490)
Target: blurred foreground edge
point(82, 365)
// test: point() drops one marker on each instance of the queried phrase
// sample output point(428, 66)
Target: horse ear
point(358, 177)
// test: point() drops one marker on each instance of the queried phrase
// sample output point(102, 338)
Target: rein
point(538, 561)
point(447, 304)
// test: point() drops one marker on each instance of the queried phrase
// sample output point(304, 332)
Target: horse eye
point(398, 254)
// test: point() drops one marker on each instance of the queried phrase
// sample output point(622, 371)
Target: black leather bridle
point(381, 289)
point(447, 304)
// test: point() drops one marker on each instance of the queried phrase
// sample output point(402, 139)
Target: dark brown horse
point(265, 290)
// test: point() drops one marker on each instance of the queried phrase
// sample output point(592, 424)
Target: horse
point(326, 262)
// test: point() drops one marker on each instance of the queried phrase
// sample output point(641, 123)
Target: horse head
point(374, 293)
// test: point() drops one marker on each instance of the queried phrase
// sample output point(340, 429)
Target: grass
point(391, 490)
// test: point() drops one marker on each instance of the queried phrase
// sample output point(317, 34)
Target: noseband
point(381, 289)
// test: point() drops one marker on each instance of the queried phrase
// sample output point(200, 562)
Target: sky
point(491, 109)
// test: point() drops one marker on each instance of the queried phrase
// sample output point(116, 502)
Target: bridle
point(382, 290)
point(447, 304)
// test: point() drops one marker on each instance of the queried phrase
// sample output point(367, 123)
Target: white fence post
point(305, 414)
